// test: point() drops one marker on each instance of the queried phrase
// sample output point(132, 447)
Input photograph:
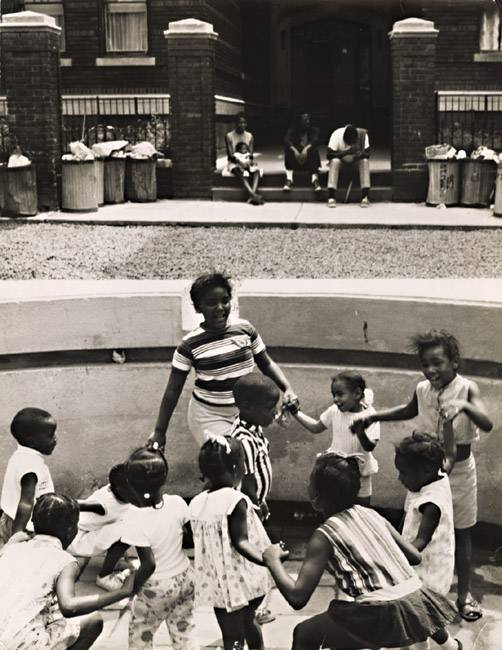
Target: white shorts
point(94, 542)
point(203, 419)
point(464, 493)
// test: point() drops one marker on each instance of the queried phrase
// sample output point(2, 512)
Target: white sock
point(315, 177)
point(289, 174)
point(449, 644)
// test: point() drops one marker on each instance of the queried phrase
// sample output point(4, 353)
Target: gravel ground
point(63, 251)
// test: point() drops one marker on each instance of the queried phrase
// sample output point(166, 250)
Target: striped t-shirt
point(365, 556)
point(256, 455)
point(219, 359)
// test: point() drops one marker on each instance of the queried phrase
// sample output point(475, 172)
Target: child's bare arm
point(73, 605)
point(238, 529)
point(431, 515)
point(412, 554)
point(298, 592)
point(313, 425)
point(402, 412)
point(91, 506)
point(26, 502)
point(249, 487)
point(449, 446)
point(146, 567)
point(359, 430)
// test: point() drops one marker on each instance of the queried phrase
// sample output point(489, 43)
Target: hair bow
point(218, 439)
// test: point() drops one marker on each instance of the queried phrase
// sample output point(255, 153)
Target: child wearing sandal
point(39, 609)
point(352, 401)
point(388, 606)
point(446, 395)
point(229, 540)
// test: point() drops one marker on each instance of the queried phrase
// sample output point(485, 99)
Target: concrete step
point(301, 194)
point(382, 178)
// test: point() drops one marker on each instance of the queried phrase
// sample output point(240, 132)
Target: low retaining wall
point(104, 410)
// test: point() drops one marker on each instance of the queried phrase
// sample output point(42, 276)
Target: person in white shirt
point(164, 584)
point(348, 146)
point(27, 476)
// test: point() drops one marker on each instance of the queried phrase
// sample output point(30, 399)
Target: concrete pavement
point(284, 215)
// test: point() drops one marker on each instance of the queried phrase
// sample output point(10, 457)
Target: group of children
point(391, 586)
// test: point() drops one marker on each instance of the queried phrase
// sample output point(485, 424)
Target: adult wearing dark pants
point(348, 146)
point(250, 181)
point(300, 151)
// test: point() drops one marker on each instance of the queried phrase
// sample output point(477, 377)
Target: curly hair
point(336, 479)
point(421, 342)
point(421, 449)
point(205, 283)
point(147, 470)
point(216, 458)
point(352, 379)
point(55, 514)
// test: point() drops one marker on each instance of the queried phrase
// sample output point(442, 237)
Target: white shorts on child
point(464, 493)
point(94, 542)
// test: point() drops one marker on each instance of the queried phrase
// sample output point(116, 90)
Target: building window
point(126, 26)
point(53, 8)
point(490, 38)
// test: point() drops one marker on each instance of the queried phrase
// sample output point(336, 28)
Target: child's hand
point(275, 552)
point(264, 513)
point(292, 404)
point(358, 427)
point(451, 409)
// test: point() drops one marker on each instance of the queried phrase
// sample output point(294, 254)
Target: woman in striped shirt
point(220, 350)
point(386, 604)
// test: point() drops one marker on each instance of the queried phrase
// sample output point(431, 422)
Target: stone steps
point(300, 194)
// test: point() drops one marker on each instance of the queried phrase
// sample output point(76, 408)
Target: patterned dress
point(223, 577)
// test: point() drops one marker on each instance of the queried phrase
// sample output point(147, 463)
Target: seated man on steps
point(348, 146)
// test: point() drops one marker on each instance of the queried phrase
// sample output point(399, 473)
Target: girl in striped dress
point(386, 605)
point(220, 350)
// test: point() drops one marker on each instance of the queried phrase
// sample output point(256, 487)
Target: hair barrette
point(219, 440)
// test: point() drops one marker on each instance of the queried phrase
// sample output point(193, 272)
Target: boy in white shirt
point(27, 476)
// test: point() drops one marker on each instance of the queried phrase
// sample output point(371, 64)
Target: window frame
point(103, 13)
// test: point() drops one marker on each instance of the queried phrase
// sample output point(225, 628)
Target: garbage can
point(114, 180)
point(18, 191)
point(478, 180)
point(497, 207)
point(444, 183)
point(79, 186)
point(100, 180)
point(141, 180)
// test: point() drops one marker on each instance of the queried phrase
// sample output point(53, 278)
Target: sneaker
point(317, 186)
point(287, 186)
point(331, 203)
point(263, 616)
point(113, 581)
point(365, 203)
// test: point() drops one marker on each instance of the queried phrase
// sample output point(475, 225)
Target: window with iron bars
point(126, 26)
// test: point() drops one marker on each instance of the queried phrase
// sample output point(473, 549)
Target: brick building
point(332, 57)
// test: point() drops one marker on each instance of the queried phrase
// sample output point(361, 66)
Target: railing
point(469, 119)
point(93, 118)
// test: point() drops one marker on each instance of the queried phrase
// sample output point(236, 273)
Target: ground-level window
point(52, 8)
point(490, 37)
point(126, 26)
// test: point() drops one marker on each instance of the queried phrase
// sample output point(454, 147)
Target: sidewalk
point(484, 634)
point(284, 215)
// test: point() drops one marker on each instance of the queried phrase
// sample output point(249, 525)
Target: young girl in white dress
point(351, 401)
point(229, 540)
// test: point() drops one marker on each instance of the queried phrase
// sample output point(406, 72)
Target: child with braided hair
point(229, 540)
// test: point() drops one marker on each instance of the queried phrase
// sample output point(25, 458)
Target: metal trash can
point(79, 186)
point(141, 180)
point(100, 180)
point(478, 181)
point(497, 207)
point(18, 191)
point(444, 182)
point(114, 180)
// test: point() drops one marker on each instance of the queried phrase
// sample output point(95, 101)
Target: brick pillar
point(413, 53)
point(191, 52)
point(31, 78)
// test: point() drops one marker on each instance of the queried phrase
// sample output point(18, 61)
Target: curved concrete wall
point(106, 410)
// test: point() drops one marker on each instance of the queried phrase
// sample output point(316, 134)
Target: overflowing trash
point(484, 153)
point(144, 151)
point(112, 149)
point(78, 152)
point(17, 159)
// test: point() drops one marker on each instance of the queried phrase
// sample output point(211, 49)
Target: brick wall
point(458, 22)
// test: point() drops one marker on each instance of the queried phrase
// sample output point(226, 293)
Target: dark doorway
point(331, 63)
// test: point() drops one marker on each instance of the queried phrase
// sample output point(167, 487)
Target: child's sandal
point(470, 610)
